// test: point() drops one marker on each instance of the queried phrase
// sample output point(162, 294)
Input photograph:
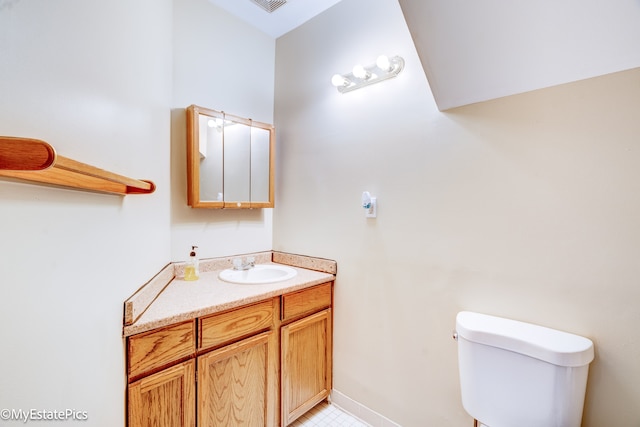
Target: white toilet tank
point(515, 374)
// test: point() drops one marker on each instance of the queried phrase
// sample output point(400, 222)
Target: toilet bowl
point(515, 374)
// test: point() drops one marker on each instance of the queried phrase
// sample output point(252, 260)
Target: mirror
point(229, 161)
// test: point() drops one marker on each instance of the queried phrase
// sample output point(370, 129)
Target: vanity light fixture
point(361, 76)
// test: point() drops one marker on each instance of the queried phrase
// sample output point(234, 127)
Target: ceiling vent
point(269, 5)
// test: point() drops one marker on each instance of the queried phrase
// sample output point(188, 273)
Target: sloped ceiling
point(476, 50)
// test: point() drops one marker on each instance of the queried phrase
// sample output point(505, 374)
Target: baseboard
point(360, 411)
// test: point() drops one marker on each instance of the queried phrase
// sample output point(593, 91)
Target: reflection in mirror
point(229, 161)
point(260, 165)
point(237, 162)
point(210, 153)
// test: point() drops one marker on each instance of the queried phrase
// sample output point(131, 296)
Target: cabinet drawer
point(306, 301)
point(232, 325)
point(150, 351)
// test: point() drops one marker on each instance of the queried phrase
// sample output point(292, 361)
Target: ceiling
point(282, 20)
point(474, 51)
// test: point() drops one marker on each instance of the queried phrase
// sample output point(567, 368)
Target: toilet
point(515, 374)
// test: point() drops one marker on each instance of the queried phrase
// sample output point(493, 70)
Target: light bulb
point(383, 63)
point(360, 72)
point(339, 80)
point(211, 123)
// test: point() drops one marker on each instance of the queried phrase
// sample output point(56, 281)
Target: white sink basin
point(261, 273)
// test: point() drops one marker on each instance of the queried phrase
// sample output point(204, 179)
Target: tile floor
point(327, 415)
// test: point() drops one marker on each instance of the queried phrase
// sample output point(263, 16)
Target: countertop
point(184, 300)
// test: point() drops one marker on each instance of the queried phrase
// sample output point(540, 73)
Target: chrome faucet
point(244, 263)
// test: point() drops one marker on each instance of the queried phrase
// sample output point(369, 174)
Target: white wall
point(524, 207)
point(106, 84)
point(224, 64)
point(83, 76)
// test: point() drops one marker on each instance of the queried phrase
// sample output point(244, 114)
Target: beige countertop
point(181, 300)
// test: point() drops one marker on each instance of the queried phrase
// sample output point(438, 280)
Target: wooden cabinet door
point(237, 384)
point(306, 364)
point(164, 399)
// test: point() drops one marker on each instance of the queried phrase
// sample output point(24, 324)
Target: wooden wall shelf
point(37, 161)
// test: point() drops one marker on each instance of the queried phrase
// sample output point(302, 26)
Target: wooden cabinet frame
point(195, 156)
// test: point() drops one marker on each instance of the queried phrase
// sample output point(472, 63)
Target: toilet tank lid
point(553, 346)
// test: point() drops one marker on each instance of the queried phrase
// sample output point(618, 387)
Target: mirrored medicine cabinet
point(230, 161)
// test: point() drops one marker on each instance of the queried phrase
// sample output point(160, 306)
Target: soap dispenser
point(192, 269)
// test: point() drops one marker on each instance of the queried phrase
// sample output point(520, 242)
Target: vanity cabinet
point(263, 364)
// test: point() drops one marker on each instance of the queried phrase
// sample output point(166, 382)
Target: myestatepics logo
point(42, 415)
